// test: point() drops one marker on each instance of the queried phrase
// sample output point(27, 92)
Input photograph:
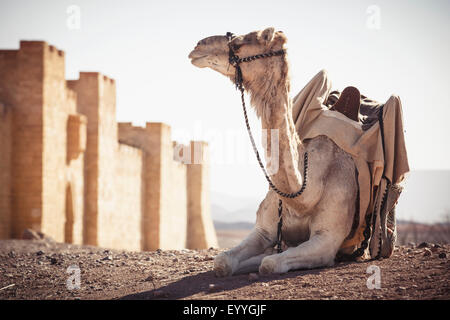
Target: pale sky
point(144, 46)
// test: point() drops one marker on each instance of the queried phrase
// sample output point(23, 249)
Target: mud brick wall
point(87, 91)
point(96, 101)
point(200, 226)
point(164, 217)
point(74, 193)
point(33, 87)
point(125, 229)
point(8, 82)
point(113, 172)
point(107, 159)
point(54, 143)
point(173, 214)
point(158, 139)
point(21, 83)
point(138, 137)
point(168, 209)
point(5, 171)
point(27, 133)
point(172, 179)
point(64, 172)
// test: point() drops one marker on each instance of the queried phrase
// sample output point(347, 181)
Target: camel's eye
point(235, 46)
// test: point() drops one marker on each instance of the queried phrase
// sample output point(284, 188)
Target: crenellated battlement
point(27, 44)
point(89, 74)
point(56, 51)
point(43, 46)
point(128, 127)
point(8, 53)
point(95, 75)
point(151, 126)
point(77, 175)
point(108, 79)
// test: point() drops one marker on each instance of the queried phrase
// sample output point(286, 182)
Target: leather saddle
point(348, 103)
point(355, 106)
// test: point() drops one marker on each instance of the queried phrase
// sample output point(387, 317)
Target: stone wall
point(173, 218)
point(173, 210)
point(165, 212)
point(54, 142)
point(65, 169)
point(159, 172)
point(125, 229)
point(113, 172)
point(27, 133)
point(74, 208)
point(107, 160)
point(87, 92)
point(200, 227)
point(5, 171)
point(138, 137)
point(8, 81)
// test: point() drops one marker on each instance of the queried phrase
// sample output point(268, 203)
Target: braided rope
point(235, 61)
point(258, 157)
point(240, 86)
point(367, 233)
point(259, 56)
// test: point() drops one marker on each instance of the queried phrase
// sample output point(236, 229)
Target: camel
point(316, 223)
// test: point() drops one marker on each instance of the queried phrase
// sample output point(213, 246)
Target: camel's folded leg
point(252, 264)
point(319, 251)
point(248, 253)
point(328, 231)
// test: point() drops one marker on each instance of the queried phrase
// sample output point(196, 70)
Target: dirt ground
point(40, 269)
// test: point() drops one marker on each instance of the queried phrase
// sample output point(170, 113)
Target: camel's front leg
point(246, 256)
point(328, 230)
point(319, 251)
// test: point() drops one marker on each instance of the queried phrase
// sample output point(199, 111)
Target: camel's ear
point(267, 35)
point(280, 37)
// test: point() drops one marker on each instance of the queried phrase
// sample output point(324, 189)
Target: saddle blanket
point(364, 143)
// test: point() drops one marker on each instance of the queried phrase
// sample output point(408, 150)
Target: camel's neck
point(273, 104)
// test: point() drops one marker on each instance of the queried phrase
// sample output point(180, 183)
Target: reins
point(235, 61)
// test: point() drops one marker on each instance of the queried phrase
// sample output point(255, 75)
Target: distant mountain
point(220, 225)
point(425, 197)
point(234, 202)
point(229, 208)
point(247, 214)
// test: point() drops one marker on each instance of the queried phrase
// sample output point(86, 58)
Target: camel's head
point(213, 52)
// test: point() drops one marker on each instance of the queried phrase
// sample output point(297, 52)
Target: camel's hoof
point(223, 265)
point(268, 266)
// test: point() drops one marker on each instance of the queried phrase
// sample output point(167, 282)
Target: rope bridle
point(235, 61)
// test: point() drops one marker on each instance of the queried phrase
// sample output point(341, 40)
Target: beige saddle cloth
point(363, 141)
